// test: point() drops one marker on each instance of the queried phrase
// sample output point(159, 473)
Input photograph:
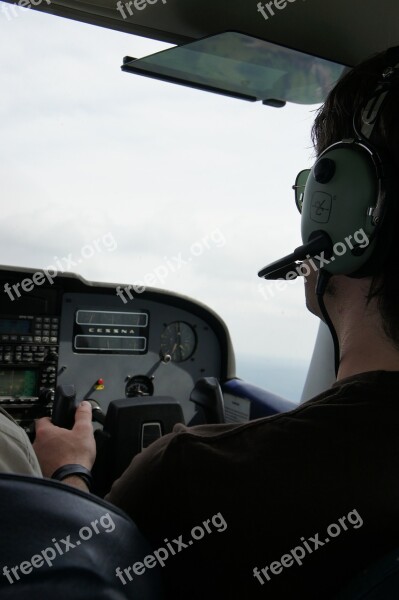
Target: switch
point(99, 385)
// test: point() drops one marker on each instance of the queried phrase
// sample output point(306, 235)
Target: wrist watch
point(73, 470)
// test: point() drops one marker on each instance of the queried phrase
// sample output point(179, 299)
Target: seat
point(58, 543)
point(379, 581)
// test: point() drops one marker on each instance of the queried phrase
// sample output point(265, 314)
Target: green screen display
point(18, 382)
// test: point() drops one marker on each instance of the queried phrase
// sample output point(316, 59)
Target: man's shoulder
point(317, 433)
point(344, 400)
point(364, 388)
point(363, 392)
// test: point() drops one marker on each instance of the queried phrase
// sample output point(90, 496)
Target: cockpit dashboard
point(111, 342)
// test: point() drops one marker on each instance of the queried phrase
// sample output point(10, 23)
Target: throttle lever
point(97, 411)
point(64, 407)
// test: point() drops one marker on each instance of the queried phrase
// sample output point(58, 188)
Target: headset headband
point(376, 103)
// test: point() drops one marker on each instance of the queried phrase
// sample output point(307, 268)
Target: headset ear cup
point(384, 244)
point(340, 193)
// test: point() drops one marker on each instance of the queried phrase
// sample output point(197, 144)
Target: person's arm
point(16, 452)
point(56, 447)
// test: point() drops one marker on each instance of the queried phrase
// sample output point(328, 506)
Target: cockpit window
point(133, 181)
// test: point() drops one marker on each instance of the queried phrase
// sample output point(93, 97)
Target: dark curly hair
point(334, 122)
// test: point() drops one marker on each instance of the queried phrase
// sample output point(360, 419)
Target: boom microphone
point(281, 267)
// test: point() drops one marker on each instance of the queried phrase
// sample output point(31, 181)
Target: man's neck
point(364, 361)
point(364, 346)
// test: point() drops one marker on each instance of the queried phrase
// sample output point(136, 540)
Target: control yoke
point(65, 404)
point(64, 407)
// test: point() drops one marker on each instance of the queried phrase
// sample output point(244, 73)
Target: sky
point(125, 179)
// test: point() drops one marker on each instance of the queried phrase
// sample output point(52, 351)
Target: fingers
point(82, 417)
point(83, 414)
point(42, 424)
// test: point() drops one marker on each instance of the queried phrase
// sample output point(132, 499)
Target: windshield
point(125, 179)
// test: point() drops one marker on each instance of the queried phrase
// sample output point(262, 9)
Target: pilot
point(293, 505)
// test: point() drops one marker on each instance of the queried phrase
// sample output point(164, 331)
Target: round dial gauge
point(178, 340)
point(139, 385)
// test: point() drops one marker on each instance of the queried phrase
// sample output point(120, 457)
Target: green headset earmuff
point(346, 192)
point(340, 201)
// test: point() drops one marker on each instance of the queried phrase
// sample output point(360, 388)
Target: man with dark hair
point(311, 496)
point(334, 122)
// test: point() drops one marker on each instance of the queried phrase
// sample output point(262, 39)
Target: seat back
point(58, 543)
point(379, 581)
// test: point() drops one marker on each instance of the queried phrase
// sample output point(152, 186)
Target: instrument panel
point(77, 332)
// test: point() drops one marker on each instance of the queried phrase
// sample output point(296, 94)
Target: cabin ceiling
point(344, 31)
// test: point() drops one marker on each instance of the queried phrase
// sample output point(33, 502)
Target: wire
point(322, 281)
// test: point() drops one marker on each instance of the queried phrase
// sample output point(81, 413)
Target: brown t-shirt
point(268, 494)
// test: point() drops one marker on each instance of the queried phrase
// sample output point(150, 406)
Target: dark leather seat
point(379, 581)
point(41, 518)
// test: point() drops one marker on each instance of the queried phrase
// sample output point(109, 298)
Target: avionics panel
point(28, 358)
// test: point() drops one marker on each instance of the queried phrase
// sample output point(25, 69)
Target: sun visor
point(243, 67)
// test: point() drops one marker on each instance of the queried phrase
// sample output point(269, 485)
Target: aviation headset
point(347, 191)
point(348, 187)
